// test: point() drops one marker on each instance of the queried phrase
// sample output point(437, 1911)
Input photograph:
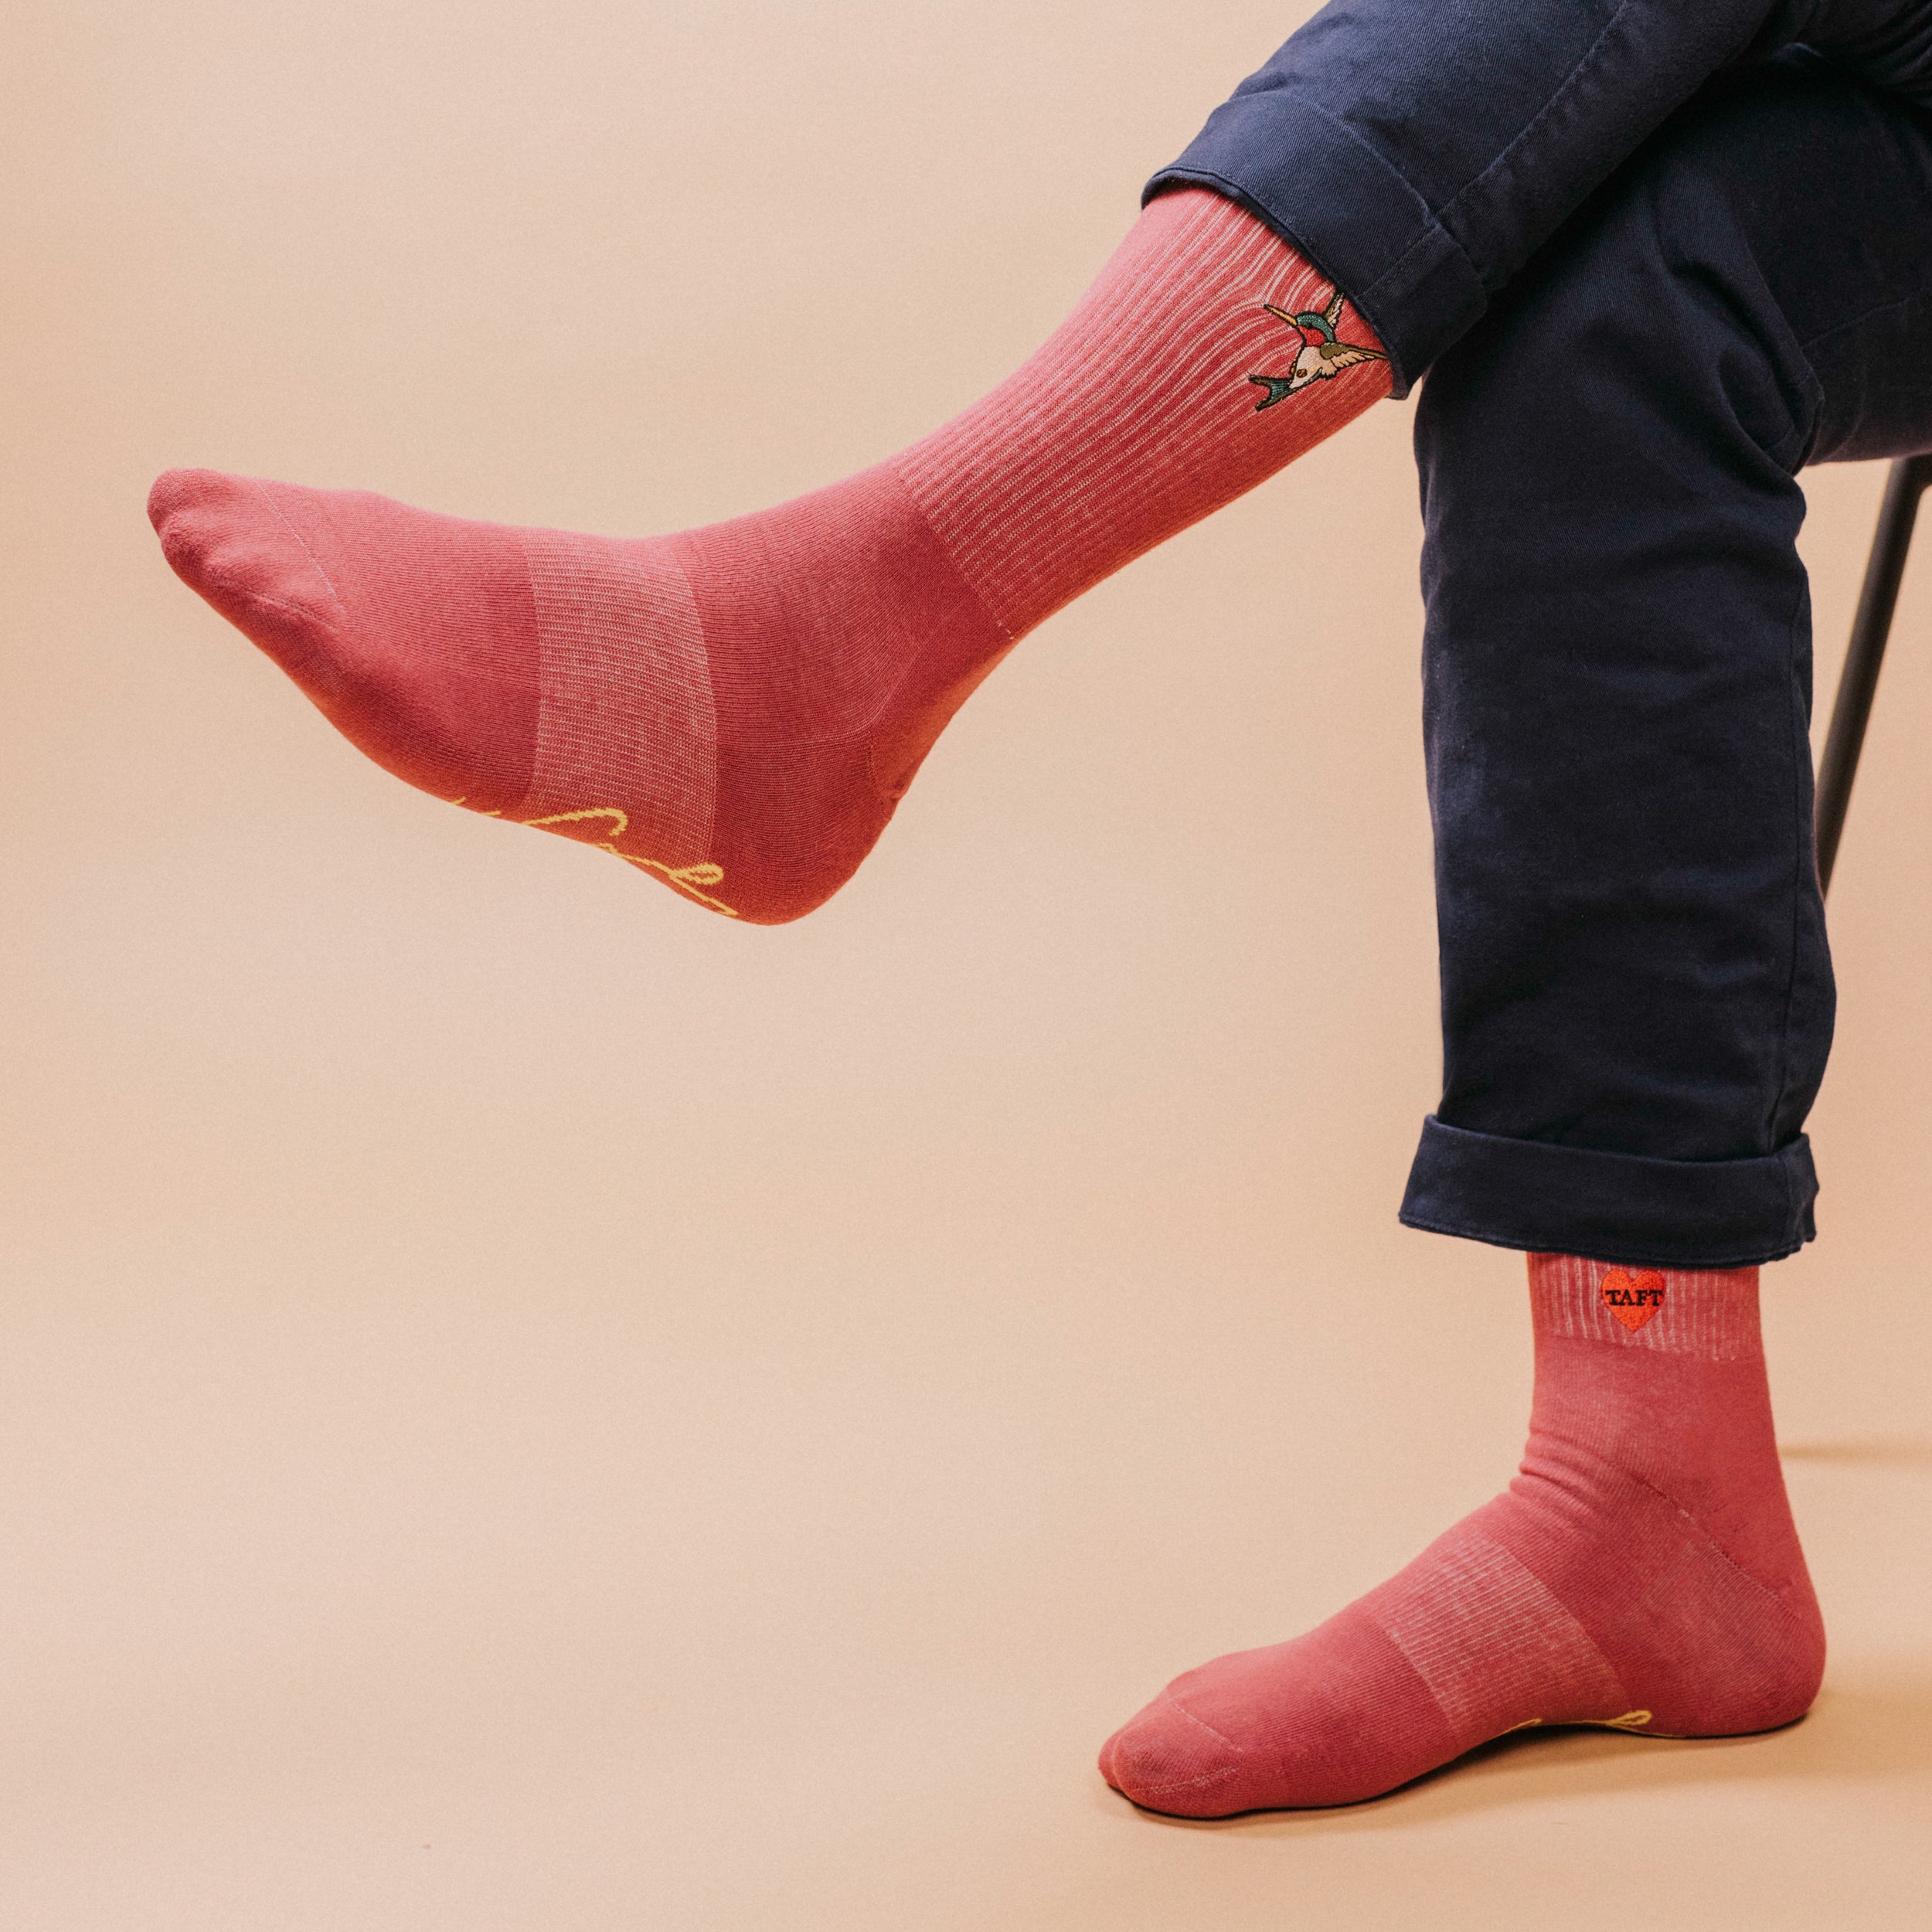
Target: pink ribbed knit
point(1641, 1572)
point(737, 709)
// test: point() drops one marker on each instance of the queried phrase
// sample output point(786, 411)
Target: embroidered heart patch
point(1633, 1298)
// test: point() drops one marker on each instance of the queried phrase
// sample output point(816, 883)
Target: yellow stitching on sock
point(687, 878)
point(1529, 1723)
point(592, 811)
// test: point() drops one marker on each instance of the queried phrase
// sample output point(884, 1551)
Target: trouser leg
point(1420, 152)
point(1637, 996)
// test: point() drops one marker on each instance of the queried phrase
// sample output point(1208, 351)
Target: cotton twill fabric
point(1658, 290)
point(1419, 152)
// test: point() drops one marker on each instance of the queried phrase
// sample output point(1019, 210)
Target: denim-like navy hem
point(1552, 1200)
point(1353, 215)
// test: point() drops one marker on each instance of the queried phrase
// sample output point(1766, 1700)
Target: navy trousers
point(1654, 258)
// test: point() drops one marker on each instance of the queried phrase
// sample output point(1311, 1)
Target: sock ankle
point(1642, 1571)
point(737, 709)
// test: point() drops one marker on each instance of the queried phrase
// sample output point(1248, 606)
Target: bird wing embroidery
point(1340, 355)
point(1279, 388)
point(1330, 357)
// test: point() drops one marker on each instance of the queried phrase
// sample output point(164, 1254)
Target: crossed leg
point(1637, 993)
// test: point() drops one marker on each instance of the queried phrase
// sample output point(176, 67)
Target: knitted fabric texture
point(1641, 1573)
point(735, 710)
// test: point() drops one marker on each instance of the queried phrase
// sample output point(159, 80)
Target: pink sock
point(737, 709)
point(1641, 1572)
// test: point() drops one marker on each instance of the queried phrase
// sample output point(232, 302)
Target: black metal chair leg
point(1852, 710)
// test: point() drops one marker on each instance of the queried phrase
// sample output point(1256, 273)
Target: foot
point(735, 710)
point(1641, 1573)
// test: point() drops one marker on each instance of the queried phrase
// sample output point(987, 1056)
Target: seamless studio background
point(523, 1404)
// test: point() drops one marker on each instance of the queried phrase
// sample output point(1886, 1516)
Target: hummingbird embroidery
point(1321, 354)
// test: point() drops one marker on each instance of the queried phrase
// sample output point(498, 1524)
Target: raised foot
point(734, 711)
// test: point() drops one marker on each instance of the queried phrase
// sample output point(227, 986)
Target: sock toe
point(1167, 1759)
point(411, 633)
point(1332, 1718)
point(176, 491)
point(228, 539)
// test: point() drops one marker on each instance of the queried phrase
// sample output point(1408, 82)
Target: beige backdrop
point(523, 1405)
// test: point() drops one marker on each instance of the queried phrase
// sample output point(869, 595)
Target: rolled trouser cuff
point(1552, 1200)
point(1350, 213)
